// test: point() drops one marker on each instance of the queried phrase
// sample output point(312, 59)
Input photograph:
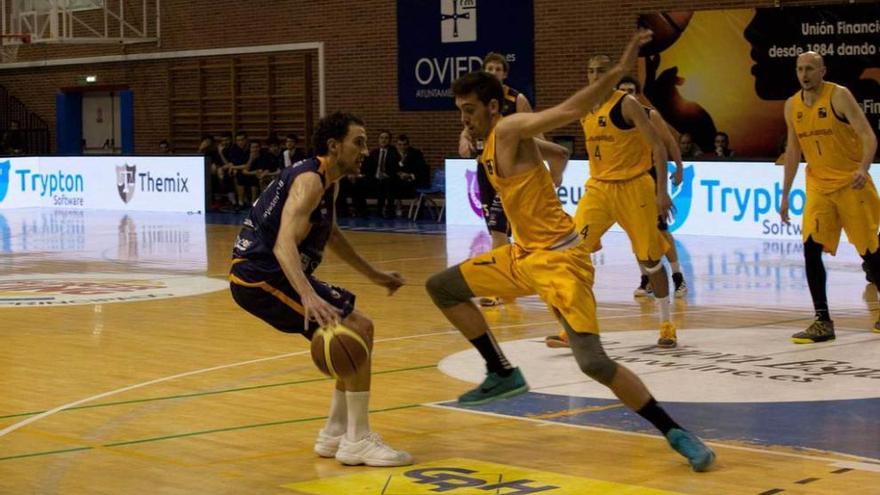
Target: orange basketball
point(667, 27)
point(339, 351)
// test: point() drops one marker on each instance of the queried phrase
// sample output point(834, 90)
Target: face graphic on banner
point(777, 37)
point(662, 90)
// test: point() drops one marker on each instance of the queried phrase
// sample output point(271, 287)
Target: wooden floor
point(192, 395)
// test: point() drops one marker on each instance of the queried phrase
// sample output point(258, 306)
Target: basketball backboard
point(82, 21)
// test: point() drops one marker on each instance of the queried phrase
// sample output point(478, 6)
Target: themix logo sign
point(125, 179)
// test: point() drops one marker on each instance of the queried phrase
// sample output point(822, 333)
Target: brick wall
point(361, 53)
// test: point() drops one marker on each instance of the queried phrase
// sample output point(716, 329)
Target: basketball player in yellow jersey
point(547, 256)
point(493, 211)
point(632, 87)
point(622, 145)
point(826, 124)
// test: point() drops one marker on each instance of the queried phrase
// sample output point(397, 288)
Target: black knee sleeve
point(590, 356)
point(448, 288)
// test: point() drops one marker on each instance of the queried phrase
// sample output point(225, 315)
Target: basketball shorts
point(493, 210)
point(563, 278)
point(855, 211)
point(271, 298)
point(631, 204)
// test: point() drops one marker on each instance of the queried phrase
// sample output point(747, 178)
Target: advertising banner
point(729, 199)
point(440, 40)
point(131, 183)
point(732, 70)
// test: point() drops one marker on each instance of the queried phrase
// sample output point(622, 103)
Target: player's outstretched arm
point(791, 162)
point(844, 102)
point(634, 112)
point(342, 248)
point(557, 157)
point(672, 149)
point(305, 194)
point(527, 125)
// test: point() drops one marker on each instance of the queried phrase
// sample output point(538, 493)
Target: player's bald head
point(811, 58)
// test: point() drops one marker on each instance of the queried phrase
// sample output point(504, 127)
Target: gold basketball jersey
point(615, 153)
point(831, 147)
point(533, 209)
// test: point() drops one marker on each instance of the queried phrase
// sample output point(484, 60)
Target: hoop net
point(9, 45)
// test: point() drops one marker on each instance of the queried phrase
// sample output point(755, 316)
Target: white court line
point(32, 419)
point(543, 422)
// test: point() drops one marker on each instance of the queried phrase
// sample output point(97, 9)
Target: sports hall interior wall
point(361, 52)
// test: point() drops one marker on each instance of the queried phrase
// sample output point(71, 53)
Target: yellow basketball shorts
point(856, 211)
point(562, 278)
point(632, 204)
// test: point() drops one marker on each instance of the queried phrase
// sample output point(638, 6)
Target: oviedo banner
point(440, 40)
point(732, 70)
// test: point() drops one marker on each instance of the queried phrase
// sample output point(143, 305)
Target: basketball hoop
point(9, 44)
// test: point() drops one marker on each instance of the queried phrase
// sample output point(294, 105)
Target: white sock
point(676, 267)
point(337, 420)
point(643, 270)
point(358, 415)
point(664, 308)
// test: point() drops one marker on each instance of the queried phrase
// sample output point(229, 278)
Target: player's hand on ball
point(390, 280)
point(319, 310)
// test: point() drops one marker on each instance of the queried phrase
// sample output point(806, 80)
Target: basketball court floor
point(127, 368)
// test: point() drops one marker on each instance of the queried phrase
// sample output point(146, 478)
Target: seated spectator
point(292, 153)
point(269, 163)
point(13, 142)
point(722, 145)
point(214, 166)
point(240, 157)
point(380, 172)
point(689, 149)
point(250, 173)
point(414, 171)
point(165, 148)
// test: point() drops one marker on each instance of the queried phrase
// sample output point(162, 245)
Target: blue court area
point(848, 426)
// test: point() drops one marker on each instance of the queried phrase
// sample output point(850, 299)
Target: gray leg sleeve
point(590, 355)
point(448, 288)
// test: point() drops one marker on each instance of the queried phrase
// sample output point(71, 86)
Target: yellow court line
point(580, 410)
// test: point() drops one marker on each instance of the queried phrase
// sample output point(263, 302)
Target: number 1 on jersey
point(596, 154)
point(819, 148)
